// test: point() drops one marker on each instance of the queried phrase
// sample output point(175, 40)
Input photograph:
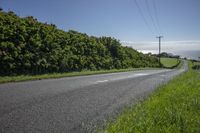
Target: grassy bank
point(169, 62)
point(174, 107)
point(5, 79)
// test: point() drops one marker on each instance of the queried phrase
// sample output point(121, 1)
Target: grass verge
point(5, 79)
point(170, 62)
point(174, 107)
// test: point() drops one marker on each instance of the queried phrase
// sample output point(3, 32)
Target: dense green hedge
point(31, 47)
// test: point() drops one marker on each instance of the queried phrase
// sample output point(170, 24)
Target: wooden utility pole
point(159, 38)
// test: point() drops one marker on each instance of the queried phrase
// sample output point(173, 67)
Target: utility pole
point(159, 38)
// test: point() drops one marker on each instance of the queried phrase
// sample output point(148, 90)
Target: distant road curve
point(74, 104)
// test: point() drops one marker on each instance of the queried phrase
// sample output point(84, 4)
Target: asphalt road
point(74, 104)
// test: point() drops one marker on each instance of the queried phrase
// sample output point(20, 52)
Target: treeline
point(169, 55)
point(31, 47)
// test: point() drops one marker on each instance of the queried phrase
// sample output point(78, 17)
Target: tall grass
point(174, 107)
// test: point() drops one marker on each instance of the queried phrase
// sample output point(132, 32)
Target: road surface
point(74, 104)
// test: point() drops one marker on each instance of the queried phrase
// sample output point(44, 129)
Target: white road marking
point(101, 81)
point(118, 78)
point(141, 74)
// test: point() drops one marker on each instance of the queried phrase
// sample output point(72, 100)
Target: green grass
point(196, 63)
point(174, 107)
point(5, 79)
point(170, 62)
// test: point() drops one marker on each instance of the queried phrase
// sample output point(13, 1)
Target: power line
point(151, 16)
point(157, 27)
point(141, 13)
point(156, 16)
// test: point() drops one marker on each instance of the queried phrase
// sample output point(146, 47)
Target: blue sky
point(178, 20)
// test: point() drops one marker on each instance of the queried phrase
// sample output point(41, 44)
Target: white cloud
point(175, 47)
point(168, 46)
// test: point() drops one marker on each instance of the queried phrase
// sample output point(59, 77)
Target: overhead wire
point(156, 16)
point(155, 22)
point(143, 17)
point(151, 16)
point(155, 26)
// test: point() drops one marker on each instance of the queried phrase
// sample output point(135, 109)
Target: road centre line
point(101, 81)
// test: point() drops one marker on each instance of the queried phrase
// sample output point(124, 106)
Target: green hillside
point(31, 47)
point(169, 62)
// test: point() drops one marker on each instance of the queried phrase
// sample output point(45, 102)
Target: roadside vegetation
point(196, 65)
point(174, 107)
point(169, 62)
point(29, 47)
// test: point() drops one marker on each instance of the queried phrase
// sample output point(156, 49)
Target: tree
point(31, 47)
